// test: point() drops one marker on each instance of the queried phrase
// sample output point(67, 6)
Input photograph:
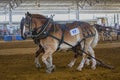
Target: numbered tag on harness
point(74, 31)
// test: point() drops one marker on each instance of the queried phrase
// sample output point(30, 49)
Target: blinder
point(28, 21)
point(22, 28)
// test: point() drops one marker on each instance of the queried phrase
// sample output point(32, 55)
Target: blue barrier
point(18, 37)
point(7, 38)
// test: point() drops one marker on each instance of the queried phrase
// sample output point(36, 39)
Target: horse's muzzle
point(24, 36)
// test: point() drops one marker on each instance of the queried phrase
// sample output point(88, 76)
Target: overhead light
point(83, 3)
point(38, 3)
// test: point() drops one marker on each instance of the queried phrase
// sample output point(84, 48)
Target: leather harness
point(43, 33)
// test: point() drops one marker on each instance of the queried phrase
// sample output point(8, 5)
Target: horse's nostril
point(26, 33)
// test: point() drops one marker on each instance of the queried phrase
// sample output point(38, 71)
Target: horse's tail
point(96, 38)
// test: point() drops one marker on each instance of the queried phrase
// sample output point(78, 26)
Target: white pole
point(117, 18)
point(10, 16)
point(10, 19)
point(77, 11)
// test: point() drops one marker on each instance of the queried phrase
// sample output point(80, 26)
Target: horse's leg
point(37, 59)
point(91, 51)
point(87, 62)
point(71, 64)
point(79, 68)
point(38, 52)
point(84, 57)
point(47, 59)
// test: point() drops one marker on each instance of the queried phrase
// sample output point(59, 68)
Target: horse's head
point(32, 23)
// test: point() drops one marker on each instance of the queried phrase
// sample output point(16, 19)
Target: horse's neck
point(54, 28)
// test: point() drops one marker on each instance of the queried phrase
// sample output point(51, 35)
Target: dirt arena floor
point(17, 63)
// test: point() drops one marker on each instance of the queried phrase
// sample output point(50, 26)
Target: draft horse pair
point(51, 37)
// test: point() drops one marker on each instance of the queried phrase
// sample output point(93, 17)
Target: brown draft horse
point(52, 36)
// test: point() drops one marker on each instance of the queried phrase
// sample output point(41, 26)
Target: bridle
point(43, 32)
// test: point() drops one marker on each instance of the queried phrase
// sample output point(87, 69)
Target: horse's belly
point(65, 46)
point(72, 41)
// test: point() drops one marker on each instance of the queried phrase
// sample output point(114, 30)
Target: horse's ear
point(28, 14)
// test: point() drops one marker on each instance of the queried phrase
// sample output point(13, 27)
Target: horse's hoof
point(38, 66)
point(70, 65)
point(79, 69)
point(50, 69)
point(87, 62)
point(93, 67)
point(53, 68)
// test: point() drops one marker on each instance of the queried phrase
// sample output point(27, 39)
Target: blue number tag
point(74, 31)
